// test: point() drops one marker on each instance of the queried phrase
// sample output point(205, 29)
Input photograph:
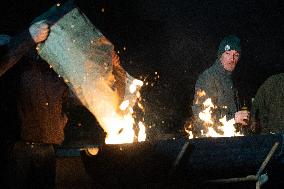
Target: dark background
point(178, 39)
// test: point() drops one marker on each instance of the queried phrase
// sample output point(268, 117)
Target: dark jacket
point(217, 84)
point(268, 105)
point(40, 93)
point(12, 49)
point(41, 99)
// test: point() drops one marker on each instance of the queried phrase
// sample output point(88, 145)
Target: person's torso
point(272, 115)
point(225, 97)
point(40, 104)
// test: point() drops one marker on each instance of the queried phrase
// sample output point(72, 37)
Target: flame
point(142, 133)
point(188, 129)
point(135, 84)
point(120, 129)
point(205, 115)
point(119, 125)
point(224, 128)
point(124, 105)
point(116, 119)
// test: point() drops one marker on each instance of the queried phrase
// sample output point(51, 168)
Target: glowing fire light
point(222, 129)
point(119, 126)
point(225, 129)
point(136, 83)
point(124, 105)
point(141, 134)
point(205, 115)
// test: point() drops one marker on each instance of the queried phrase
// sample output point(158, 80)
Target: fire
point(135, 84)
point(142, 133)
point(223, 128)
point(116, 119)
point(120, 126)
point(205, 115)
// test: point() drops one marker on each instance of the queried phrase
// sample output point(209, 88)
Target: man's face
point(229, 59)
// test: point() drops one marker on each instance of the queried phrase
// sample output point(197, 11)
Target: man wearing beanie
point(216, 83)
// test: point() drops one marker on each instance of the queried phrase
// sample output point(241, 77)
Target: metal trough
point(200, 160)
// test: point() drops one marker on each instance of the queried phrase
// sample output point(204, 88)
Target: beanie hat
point(230, 42)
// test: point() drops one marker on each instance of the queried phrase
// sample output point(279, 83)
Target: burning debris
point(208, 125)
point(119, 127)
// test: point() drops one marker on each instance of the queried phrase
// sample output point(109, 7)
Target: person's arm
point(204, 89)
point(12, 52)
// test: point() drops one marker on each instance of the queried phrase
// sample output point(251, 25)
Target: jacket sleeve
point(12, 52)
point(205, 88)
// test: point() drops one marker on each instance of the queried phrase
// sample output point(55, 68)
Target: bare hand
point(242, 117)
point(39, 31)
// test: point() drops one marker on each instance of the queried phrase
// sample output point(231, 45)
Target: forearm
point(14, 51)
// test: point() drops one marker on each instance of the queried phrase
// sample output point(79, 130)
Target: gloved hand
point(39, 31)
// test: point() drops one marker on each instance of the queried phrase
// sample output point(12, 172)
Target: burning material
point(79, 52)
point(213, 128)
point(205, 115)
point(117, 120)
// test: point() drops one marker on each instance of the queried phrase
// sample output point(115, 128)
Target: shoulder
point(269, 86)
point(275, 78)
point(272, 82)
point(207, 80)
point(208, 74)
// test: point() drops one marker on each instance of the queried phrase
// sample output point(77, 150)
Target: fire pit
point(195, 160)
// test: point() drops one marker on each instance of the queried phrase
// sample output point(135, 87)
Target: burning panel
point(80, 53)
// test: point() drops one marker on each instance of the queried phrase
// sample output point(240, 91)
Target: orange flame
point(225, 128)
point(119, 127)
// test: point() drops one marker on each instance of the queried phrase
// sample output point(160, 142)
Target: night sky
point(178, 39)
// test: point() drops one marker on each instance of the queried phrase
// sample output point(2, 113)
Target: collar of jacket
point(220, 68)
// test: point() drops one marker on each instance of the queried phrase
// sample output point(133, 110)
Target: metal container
point(182, 159)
